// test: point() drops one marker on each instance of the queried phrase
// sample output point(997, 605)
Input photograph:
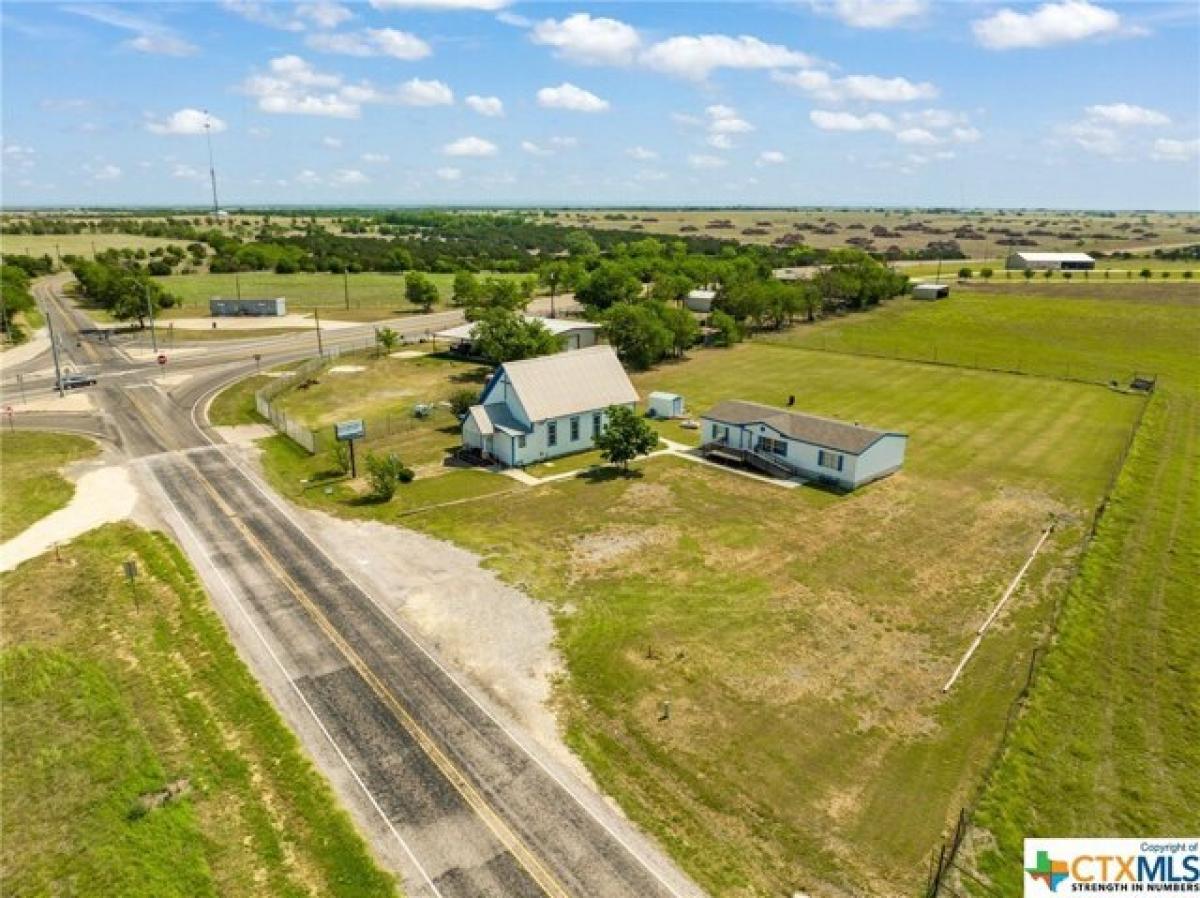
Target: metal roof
point(569, 383)
point(702, 294)
point(556, 326)
point(806, 428)
point(483, 423)
point(1055, 257)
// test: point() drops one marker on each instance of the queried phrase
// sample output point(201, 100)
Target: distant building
point(664, 405)
point(1051, 261)
point(795, 273)
point(545, 407)
point(700, 300)
point(224, 307)
point(930, 291)
point(793, 444)
point(575, 334)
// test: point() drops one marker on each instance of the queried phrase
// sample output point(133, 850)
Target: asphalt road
point(446, 790)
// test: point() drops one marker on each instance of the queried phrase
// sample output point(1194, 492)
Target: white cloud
point(1126, 114)
point(966, 135)
point(1049, 24)
point(918, 136)
point(534, 149)
point(376, 158)
point(702, 161)
point(938, 119)
point(514, 19)
point(348, 177)
point(641, 154)
point(267, 14)
point(945, 155)
point(18, 156)
point(568, 96)
point(308, 176)
point(878, 13)
point(447, 5)
point(449, 174)
point(1093, 137)
point(107, 172)
point(186, 172)
point(470, 146)
point(868, 88)
point(719, 141)
point(1168, 149)
point(334, 143)
point(581, 38)
point(186, 122)
point(416, 92)
point(324, 13)
point(771, 157)
point(493, 107)
point(149, 36)
point(372, 42)
point(695, 57)
point(846, 121)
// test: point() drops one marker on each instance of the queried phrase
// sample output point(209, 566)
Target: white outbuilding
point(700, 300)
point(664, 405)
point(930, 291)
point(1050, 261)
point(572, 333)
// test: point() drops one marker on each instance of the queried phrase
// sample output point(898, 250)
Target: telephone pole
point(320, 346)
point(150, 311)
point(54, 350)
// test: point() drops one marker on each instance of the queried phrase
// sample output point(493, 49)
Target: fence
point(944, 860)
point(279, 419)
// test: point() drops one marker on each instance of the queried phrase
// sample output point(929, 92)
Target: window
point(769, 444)
point(552, 433)
point(521, 442)
point(830, 460)
point(716, 431)
point(575, 429)
point(597, 424)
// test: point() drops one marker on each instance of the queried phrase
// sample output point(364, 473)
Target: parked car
point(71, 381)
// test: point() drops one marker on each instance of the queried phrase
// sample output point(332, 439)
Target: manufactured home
point(572, 333)
point(541, 408)
point(792, 444)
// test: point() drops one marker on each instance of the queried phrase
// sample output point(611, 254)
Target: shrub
point(384, 473)
point(462, 400)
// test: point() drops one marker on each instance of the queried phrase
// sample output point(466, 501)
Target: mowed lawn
point(802, 637)
point(30, 482)
point(1095, 332)
point(111, 692)
point(372, 294)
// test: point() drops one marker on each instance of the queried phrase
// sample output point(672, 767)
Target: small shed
point(930, 291)
point(664, 405)
point(223, 306)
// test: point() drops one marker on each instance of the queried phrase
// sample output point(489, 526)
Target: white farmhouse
point(572, 333)
point(541, 408)
point(791, 444)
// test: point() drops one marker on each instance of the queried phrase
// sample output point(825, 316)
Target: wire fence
point(944, 861)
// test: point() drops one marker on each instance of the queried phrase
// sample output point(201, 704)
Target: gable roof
point(812, 429)
point(568, 383)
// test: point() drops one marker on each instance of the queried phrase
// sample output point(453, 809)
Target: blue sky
point(1068, 103)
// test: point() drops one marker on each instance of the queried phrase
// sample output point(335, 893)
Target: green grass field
point(29, 480)
point(370, 292)
point(56, 245)
point(111, 691)
point(801, 637)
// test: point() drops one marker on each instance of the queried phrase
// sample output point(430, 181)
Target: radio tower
point(212, 171)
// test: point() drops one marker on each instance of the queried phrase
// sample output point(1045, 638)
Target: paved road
point(464, 802)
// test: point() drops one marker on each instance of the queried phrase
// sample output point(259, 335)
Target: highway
point(447, 791)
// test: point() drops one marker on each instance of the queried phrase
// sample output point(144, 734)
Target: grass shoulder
point(115, 690)
point(29, 475)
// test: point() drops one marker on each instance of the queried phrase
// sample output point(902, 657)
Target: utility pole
point(346, 287)
point(237, 285)
point(54, 350)
point(320, 347)
point(212, 171)
point(150, 310)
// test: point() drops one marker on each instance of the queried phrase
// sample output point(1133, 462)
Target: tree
point(681, 324)
point(420, 290)
point(625, 436)
point(810, 301)
point(386, 339)
point(986, 273)
point(557, 275)
point(608, 285)
point(462, 400)
point(15, 297)
point(503, 335)
point(727, 329)
point(466, 288)
point(1028, 273)
point(637, 333)
point(581, 244)
point(384, 473)
point(964, 274)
